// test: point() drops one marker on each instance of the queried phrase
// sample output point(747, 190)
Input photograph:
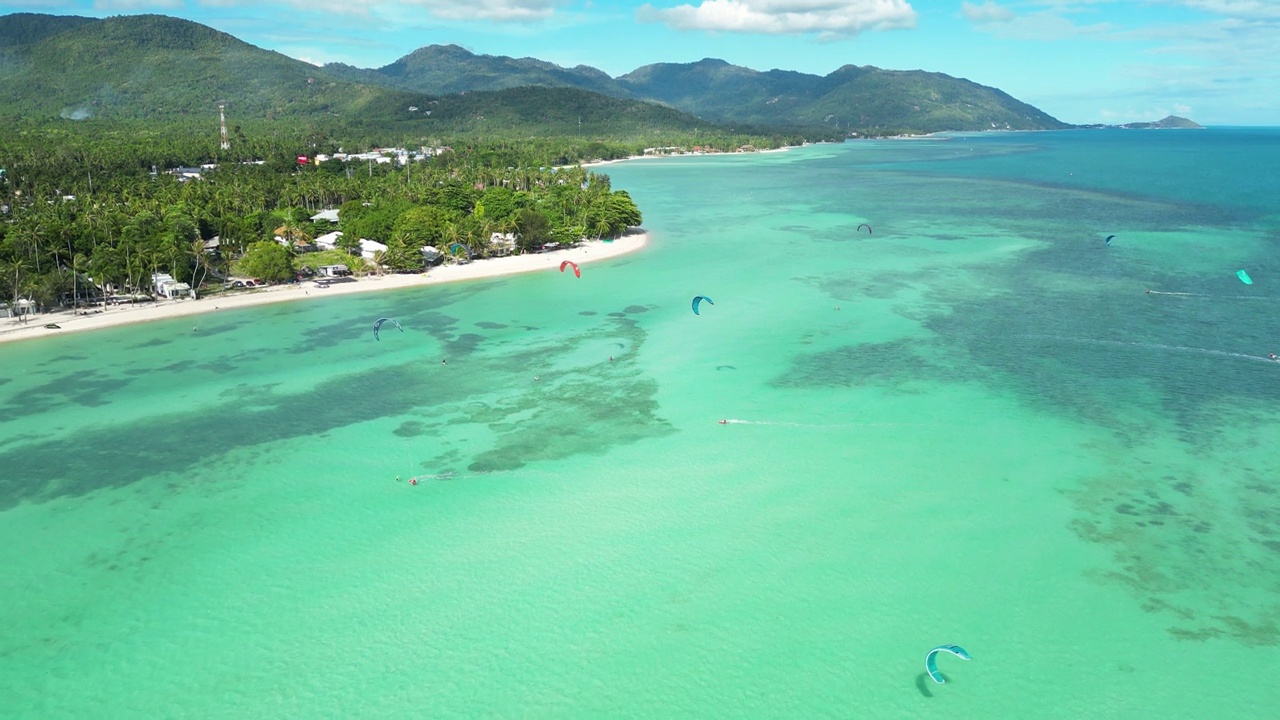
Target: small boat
point(53, 326)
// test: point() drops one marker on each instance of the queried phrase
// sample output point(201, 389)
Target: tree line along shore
point(91, 231)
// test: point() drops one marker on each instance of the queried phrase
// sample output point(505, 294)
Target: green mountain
point(152, 66)
point(850, 98)
point(149, 67)
point(157, 68)
point(446, 69)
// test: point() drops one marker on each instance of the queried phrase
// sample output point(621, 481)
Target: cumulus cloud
point(827, 18)
point(986, 12)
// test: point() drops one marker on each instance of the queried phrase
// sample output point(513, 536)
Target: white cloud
point(489, 10)
point(827, 18)
point(1042, 25)
point(986, 12)
point(500, 10)
point(135, 4)
point(1243, 9)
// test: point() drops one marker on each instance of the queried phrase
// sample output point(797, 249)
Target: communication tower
point(222, 121)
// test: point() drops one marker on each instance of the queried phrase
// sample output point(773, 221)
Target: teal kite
point(698, 301)
point(931, 660)
point(1244, 277)
point(377, 326)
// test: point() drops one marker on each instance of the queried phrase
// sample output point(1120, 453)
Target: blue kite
point(378, 326)
point(931, 660)
point(1244, 277)
point(1108, 240)
point(698, 301)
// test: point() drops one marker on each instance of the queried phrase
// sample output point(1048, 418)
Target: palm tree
point(16, 268)
point(202, 266)
point(79, 263)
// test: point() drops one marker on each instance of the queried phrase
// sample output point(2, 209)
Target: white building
point(369, 247)
point(328, 241)
point(330, 215)
point(166, 285)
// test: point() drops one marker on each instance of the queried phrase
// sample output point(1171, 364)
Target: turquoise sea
point(971, 425)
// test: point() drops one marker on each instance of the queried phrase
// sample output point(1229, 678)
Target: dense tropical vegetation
point(84, 212)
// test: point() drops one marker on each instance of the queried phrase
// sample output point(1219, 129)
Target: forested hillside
point(156, 67)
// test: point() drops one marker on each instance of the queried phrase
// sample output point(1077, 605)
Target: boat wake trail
point(1205, 295)
point(1155, 346)
point(776, 423)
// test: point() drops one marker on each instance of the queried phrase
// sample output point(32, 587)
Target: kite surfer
point(724, 422)
point(1272, 356)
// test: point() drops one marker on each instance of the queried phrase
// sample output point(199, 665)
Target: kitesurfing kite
point(864, 225)
point(377, 325)
point(931, 660)
point(698, 301)
point(454, 247)
point(572, 264)
point(1244, 277)
point(1108, 240)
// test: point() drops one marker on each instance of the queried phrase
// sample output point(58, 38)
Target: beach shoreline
point(700, 153)
point(115, 316)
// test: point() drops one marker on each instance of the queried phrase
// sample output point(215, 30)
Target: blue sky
point(1215, 61)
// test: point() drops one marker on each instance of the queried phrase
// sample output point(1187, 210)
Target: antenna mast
point(222, 120)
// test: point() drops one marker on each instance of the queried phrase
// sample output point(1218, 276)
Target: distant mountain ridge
point(148, 66)
point(447, 69)
point(853, 98)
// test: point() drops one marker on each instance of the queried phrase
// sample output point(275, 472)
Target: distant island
point(1172, 122)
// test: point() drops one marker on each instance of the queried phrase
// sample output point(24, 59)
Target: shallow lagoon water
point(971, 426)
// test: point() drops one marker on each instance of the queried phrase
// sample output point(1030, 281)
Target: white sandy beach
point(590, 251)
point(700, 153)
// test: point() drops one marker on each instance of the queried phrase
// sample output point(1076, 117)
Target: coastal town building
point(165, 285)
